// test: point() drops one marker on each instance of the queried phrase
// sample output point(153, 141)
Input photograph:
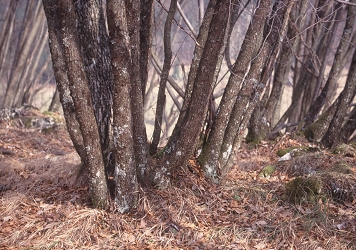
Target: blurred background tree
point(26, 75)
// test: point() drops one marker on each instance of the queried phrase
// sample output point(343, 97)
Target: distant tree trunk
point(29, 90)
point(253, 84)
point(23, 53)
point(26, 82)
point(321, 38)
point(5, 39)
point(336, 68)
point(55, 104)
point(348, 128)
point(262, 115)
point(296, 24)
point(316, 130)
point(300, 68)
point(7, 24)
point(283, 69)
point(332, 136)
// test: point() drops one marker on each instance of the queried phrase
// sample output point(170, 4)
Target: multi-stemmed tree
point(102, 73)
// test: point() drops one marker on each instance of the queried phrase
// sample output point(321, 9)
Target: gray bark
point(141, 147)
point(179, 147)
point(147, 14)
point(23, 53)
point(210, 154)
point(61, 77)
point(79, 90)
point(199, 48)
point(125, 164)
point(334, 74)
point(332, 136)
point(94, 43)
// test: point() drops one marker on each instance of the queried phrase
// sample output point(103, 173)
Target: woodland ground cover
point(43, 207)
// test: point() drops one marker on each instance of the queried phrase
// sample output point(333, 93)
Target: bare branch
point(346, 2)
point(236, 13)
point(282, 126)
point(187, 22)
point(201, 11)
point(171, 81)
point(161, 99)
point(174, 98)
point(181, 27)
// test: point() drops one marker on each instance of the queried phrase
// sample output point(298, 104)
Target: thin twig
point(282, 126)
point(181, 27)
point(171, 81)
point(346, 2)
point(186, 20)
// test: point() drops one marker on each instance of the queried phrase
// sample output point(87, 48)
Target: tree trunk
point(332, 136)
point(61, 76)
point(161, 100)
point(258, 124)
point(210, 153)
point(55, 103)
point(253, 86)
point(27, 81)
point(336, 68)
point(321, 38)
point(147, 14)
point(102, 82)
point(23, 54)
point(179, 147)
point(94, 43)
point(349, 128)
point(5, 35)
point(199, 48)
point(125, 164)
point(316, 131)
point(79, 90)
point(141, 147)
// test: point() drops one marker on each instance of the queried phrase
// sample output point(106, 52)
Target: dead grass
point(43, 210)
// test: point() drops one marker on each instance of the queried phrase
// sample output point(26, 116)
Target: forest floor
point(41, 206)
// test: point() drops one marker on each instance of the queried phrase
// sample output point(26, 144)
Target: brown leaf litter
point(41, 209)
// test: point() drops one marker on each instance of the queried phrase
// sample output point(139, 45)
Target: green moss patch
point(345, 150)
point(297, 151)
point(303, 189)
point(341, 167)
point(266, 171)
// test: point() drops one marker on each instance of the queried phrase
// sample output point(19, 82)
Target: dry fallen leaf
point(38, 211)
point(261, 223)
point(7, 218)
point(260, 245)
point(143, 223)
